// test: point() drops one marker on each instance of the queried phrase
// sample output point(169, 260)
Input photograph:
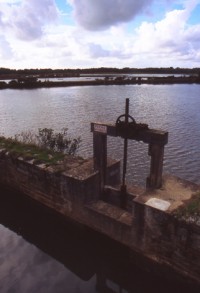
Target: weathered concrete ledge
point(149, 225)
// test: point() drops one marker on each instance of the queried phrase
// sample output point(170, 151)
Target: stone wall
point(168, 240)
point(149, 231)
point(66, 192)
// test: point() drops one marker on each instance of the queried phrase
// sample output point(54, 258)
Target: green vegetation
point(30, 78)
point(47, 138)
point(48, 72)
point(46, 147)
point(30, 151)
point(191, 210)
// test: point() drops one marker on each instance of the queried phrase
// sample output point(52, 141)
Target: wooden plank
point(111, 129)
point(151, 136)
point(100, 156)
point(155, 178)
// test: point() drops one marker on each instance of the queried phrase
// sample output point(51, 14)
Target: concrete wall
point(54, 189)
point(165, 238)
point(153, 233)
point(61, 191)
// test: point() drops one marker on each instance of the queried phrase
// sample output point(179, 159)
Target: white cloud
point(11, 1)
point(97, 51)
point(171, 37)
point(27, 18)
point(1, 19)
point(5, 49)
point(168, 42)
point(101, 14)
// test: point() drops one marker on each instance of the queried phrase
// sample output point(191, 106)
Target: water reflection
point(45, 253)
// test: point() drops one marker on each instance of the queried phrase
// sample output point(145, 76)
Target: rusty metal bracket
point(129, 129)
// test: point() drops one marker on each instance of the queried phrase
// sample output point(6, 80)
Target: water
point(86, 77)
point(40, 253)
point(174, 108)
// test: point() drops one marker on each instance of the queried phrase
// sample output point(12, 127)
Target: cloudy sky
point(96, 33)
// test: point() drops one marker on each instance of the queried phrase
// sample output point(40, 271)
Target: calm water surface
point(174, 108)
point(38, 256)
point(40, 252)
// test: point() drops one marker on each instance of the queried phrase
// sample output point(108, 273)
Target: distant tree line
point(48, 72)
point(148, 70)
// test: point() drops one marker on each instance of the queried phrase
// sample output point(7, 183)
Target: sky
point(99, 33)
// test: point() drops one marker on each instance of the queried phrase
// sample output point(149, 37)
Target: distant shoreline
point(121, 80)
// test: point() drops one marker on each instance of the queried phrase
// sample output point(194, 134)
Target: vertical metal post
point(123, 187)
point(125, 143)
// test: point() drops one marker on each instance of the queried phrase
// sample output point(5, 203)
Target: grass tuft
point(191, 210)
point(47, 146)
point(31, 151)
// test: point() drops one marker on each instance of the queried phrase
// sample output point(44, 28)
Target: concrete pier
point(148, 226)
point(88, 191)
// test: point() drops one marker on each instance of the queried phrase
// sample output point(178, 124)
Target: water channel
point(37, 253)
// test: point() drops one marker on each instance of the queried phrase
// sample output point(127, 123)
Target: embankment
point(148, 226)
point(109, 81)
